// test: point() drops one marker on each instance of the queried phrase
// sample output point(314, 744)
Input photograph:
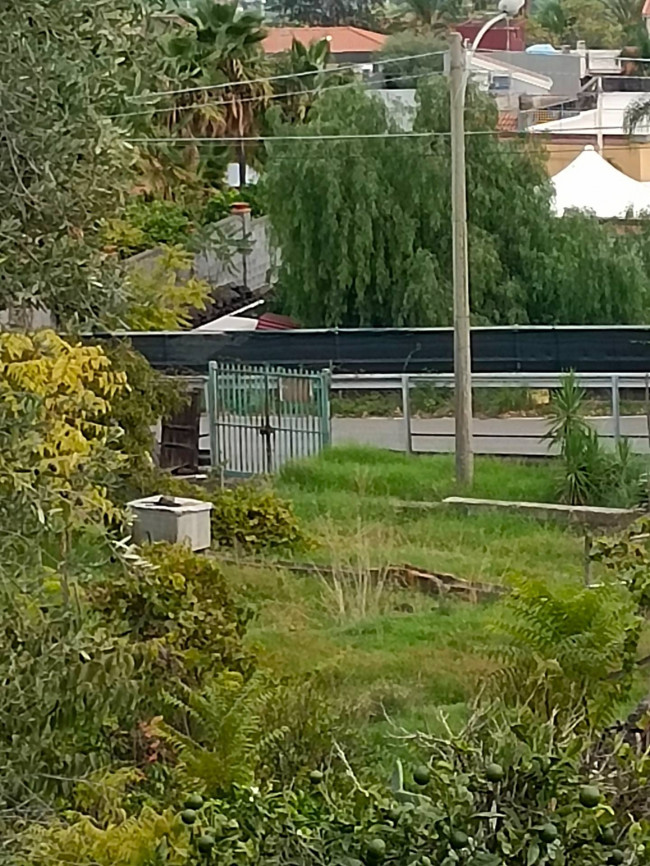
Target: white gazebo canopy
point(591, 183)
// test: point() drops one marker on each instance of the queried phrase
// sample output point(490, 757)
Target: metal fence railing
point(406, 382)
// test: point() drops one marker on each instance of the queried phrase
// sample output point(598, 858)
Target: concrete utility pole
point(462, 351)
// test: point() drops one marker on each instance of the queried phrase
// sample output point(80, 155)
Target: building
point(347, 44)
point(505, 36)
point(604, 127)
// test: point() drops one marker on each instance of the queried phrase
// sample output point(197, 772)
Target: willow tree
point(343, 213)
point(364, 225)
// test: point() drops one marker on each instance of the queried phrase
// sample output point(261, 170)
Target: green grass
point(367, 471)
point(406, 655)
point(408, 665)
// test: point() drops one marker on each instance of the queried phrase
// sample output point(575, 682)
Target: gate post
point(211, 400)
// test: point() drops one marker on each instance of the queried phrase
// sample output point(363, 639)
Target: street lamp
point(459, 74)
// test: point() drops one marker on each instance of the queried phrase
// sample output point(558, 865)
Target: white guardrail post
point(616, 409)
point(406, 412)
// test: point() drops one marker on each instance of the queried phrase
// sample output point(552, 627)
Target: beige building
point(604, 128)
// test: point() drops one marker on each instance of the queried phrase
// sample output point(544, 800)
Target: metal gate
point(260, 417)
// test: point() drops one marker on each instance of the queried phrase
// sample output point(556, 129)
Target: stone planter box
point(173, 519)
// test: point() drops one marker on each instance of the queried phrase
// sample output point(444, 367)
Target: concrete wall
point(563, 69)
point(251, 267)
point(630, 157)
point(26, 318)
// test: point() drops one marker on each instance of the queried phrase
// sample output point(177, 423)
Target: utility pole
point(462, 351)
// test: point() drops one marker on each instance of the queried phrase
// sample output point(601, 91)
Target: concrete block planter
point(173, 519)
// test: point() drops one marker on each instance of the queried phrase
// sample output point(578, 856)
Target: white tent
point(591, 183)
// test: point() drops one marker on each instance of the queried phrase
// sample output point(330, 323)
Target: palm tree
point(308, 63)
point(219, 46)
point(433, 16)
point(628, 14)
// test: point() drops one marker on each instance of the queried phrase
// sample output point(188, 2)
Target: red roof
point(275, 322)
point(507, 121)
point(645, 12)
point(343, 40)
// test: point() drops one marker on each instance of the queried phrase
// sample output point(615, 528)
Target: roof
point(507, 121)
point(591, 183)
point(645, 12)
point(343, 40)
point(485, 63)
point(608, 119)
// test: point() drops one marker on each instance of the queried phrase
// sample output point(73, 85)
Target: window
point(500, 82)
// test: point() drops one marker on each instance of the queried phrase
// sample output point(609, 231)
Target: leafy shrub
point(150, 837)
point(219, 204)
point(559, 645)
point(177, 602)
point(146, 224)
point(254, 517)
point(148, 397)
point(591, 475)
point(161, 297)
point(56, 437)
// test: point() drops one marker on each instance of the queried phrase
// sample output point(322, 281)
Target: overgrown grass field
point(397, 653)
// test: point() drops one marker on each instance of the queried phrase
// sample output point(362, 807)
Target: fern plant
point(223, 731)
point(558, 646)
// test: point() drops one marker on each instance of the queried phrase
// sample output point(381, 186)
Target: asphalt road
point(503, 436)
point(506, 436)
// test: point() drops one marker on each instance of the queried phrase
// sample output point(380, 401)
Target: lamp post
point(458, 75)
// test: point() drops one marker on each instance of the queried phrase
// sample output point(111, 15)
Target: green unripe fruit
point(376, 850)
point(421, 775)
point(194, 801)
point(188, 816)
point(458, 840)
point(589, 796)
point(205, 844)
point(494, 773)
point(548, 833)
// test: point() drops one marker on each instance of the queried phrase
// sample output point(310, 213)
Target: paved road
point(512, 436)
point(506, 436)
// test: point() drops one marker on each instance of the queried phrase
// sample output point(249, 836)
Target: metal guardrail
point(404, 382)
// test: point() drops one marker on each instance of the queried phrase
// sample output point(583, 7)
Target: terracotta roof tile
point(507, 121)
point(343, 40)
point(645, 12)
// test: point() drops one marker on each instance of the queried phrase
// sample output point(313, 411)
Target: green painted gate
point(260, 417)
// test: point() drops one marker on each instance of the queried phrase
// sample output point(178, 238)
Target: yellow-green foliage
point(145, 839)
point(55, 398)
point(255, 517)
point(161, 298)
point(179, 601)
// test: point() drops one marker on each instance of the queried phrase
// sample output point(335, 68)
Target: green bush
point(177, 602)
point(254, 517)
point(146, 224)
point(219, 204)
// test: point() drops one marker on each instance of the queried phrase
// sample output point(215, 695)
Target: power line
point(161, 93)
point(261, 97)
point(538, 134)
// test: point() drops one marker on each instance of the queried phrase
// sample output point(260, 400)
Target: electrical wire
point(159, 94)
point(368, 136)
point(262, 97)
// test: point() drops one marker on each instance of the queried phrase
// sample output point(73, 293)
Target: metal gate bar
point(260, 417)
